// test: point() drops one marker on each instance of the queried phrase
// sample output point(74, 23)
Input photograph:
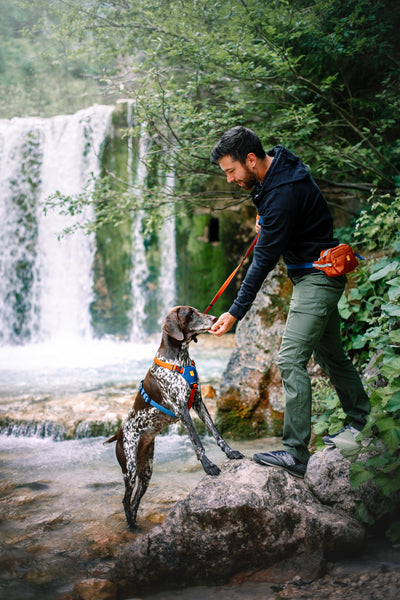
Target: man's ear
point(251, 160)
point(171, 326)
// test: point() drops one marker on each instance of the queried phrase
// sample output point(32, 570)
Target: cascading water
point(140, 272)
point(168, 255)
point(46, 283)
point(20, 160)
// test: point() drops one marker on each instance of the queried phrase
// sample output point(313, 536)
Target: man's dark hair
point(237, 143)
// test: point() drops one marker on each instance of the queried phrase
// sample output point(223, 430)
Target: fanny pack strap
point(311, 265)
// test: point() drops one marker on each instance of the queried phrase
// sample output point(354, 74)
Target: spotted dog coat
point(135, 438)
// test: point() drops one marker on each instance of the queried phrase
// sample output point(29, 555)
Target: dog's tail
point(110, 440)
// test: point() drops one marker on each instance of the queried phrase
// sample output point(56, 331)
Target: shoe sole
point(288, 469)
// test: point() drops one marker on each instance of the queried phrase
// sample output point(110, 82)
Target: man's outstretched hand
point(224, 324)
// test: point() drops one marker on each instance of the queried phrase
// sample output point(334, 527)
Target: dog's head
point(184, 323)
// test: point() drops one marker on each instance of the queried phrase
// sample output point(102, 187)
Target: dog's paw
point(234, 454)
point(212, 469)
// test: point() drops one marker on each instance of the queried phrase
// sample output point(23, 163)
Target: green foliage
point(320, 77)
point(32, 80)
point(328, 416)
point(378, 226)
point(371, 312)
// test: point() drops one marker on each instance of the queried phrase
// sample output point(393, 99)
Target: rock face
point(328, 478)
point(250, 517)
point(251, 399)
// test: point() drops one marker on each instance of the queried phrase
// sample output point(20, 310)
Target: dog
point(165, 396)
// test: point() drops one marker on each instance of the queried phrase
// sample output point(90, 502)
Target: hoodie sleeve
point(279, 220)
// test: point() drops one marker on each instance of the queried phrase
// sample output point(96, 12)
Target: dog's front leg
point(208, 466)
point(204, 415)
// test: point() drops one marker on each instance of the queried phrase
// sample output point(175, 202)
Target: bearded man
point(295, 223)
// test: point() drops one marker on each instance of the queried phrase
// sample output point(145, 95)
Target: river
point(61, 510)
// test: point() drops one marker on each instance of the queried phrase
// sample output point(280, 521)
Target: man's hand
point(224, 323)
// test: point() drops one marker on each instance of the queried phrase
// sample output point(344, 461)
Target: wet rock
point(250, 517)
point(328, 477)
point(208, 391)
point(85, 414)
point(95, 589)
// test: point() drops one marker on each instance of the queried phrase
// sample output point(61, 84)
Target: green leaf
point(394, 528)
point(391, 310)
point(395, 335)
point(347, 445)
point(359, 474)
point(359, 342)
point(393, 405)
point(384, 272)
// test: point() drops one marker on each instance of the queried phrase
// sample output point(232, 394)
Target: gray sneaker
point(283, 459)
point(330, 440)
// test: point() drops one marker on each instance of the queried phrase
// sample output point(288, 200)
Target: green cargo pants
point(313, 327)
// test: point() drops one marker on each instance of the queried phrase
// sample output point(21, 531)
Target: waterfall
point(167, 285)
point(140, 271)
point(20, 160)
point(46, 278)
point(46, 283)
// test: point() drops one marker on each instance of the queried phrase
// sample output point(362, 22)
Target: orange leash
point(232, 275)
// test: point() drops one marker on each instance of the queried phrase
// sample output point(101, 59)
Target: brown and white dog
point(164, 398)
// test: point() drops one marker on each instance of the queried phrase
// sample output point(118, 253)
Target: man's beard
point(249, 180)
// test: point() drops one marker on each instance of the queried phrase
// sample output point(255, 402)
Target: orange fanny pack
point(333, 262)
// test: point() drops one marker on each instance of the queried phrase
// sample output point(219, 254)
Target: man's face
point(238, 173)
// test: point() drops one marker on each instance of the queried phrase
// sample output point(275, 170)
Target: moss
point(198, 425)
point(237, 421)
point(86, 429)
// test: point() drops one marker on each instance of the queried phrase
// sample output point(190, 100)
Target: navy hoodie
point(296, 223)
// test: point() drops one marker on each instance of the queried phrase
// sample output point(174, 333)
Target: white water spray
point(49, 280)
point(140, 271)
point(167, 286)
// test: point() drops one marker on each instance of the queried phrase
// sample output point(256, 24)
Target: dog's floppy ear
point(172, 327)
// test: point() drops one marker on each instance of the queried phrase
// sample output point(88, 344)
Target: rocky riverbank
point(253, 523)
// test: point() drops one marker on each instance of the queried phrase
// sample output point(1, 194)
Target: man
point(297, 224)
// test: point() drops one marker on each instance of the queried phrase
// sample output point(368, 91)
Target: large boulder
point(328, 477)
point(251, 399)
point(250, 517)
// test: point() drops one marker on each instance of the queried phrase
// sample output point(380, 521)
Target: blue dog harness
point(147, 399)
point(189, 374)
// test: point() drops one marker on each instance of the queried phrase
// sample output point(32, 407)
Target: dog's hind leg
point(129, 480)
point(144, 471)
point(204, 415)
point(126, 450)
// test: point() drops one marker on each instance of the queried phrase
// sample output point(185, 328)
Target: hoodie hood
point(285, 168)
